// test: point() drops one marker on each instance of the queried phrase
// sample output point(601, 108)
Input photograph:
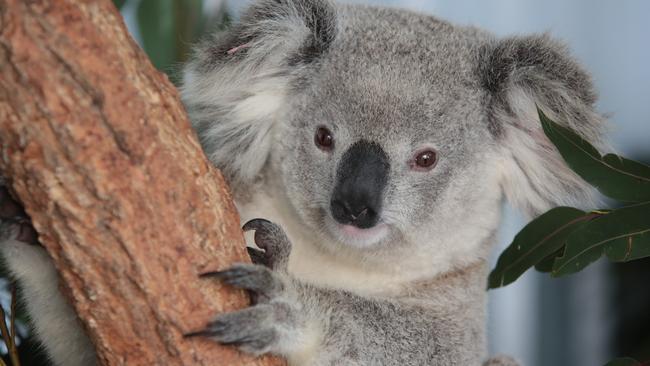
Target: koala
point(379, 144)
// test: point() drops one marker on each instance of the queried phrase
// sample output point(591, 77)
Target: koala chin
point(380, 144)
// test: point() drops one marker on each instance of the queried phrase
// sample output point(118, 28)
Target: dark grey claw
point(258, 256)
point(251, 329)
point(198, 333)
point(259, 280)
point(256, 224)
point(273, 240)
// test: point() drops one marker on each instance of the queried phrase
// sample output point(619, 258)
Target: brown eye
point(425, 160)
point(324, 139)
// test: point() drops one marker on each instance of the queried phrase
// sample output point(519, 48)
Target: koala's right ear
point(521, 74)
point(238, 82)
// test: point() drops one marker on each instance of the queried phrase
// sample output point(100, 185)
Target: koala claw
point(260, 328)
point(259, 280)
point(251, 330)
point(274, 242)
point(14, 222)
point(257, 329)
point(258, 256)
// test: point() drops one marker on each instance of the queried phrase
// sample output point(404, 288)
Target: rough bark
point(99, 150)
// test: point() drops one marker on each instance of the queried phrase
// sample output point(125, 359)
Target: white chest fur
point(349, 271)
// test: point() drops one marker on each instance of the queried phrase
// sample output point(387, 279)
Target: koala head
point(387, 128)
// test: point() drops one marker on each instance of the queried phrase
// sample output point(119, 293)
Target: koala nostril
point(365, 213)
point(360, 215)
point(363, 217)
point(341, 211)
point(366, 219)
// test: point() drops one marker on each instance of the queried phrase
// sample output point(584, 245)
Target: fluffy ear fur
point(239, 80)
point(520, 73)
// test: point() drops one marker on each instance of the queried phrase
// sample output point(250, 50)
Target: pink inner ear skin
point(234, 50)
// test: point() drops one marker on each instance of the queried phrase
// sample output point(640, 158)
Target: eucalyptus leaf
point(614, 176)
point(541, 238)
point(626, 361)
point(168, 29)
point(546, 264)
point(622, 234)
point(119, 3)
point(158, 28)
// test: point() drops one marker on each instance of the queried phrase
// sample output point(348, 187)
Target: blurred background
point(585, 319)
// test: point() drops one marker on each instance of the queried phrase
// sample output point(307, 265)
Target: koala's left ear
point(519, 74)
point(240, 81)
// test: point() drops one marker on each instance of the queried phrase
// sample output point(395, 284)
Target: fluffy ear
point(520, 74)
point(238, 83)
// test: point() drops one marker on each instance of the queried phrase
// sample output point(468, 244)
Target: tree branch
point(98, 148)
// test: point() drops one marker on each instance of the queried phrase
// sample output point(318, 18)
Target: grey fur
point(55, 323)
point(351, 329)
point(412, 290)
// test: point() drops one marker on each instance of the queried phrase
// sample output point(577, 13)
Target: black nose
point(361, 178)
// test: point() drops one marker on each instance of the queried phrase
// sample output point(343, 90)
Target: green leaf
point(540, 239)
point(168, 29)
point(635, 242)
point(157, 24)
point(626, 361)
point(622, 234)
point(119, 3)
point(614, 176)
point(546, 264)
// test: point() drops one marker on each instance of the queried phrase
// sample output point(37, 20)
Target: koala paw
point(14, 222)
point(271, 319)
point(258, 329)
point(274, 244)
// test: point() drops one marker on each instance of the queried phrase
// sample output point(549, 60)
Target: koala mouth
point(358, 237)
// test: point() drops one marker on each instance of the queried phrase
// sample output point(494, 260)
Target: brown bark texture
point(98, 148)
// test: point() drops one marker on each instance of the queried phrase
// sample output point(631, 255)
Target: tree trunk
point(98, 148)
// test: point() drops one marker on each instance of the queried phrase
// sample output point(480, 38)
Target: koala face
point(374, 145)
point(388, 129)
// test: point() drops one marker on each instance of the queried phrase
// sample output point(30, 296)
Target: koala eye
point(424, 160)
point(324, 139)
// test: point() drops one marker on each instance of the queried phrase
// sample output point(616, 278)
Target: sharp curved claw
point(212, 274)
point(274, 242)
point(257, 256)
point(198, 333)
point(256, 224)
